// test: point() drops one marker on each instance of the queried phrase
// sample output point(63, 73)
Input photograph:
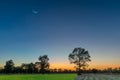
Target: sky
point(30, 28)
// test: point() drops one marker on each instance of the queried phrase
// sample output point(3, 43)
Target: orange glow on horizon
point(62, 66)
point(67, 65)
point(71, 66)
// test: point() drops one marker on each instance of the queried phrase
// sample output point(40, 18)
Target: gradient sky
point(30, 28)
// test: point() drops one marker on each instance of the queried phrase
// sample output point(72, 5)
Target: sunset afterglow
point(32, 28)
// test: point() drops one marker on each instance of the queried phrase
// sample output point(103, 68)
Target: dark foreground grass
point(38, 77)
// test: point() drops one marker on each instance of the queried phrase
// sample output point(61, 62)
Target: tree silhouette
point(31, 68)
point(24, 67)
point(44, 64)
point(79, 56)
point(94, 70)
point(18, 69)
point(37, 67)
point(9, 66)
point(28, 68)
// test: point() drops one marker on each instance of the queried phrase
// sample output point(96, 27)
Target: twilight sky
point(30, 28)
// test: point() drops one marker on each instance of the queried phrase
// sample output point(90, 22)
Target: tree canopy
point(44, 64)
point(9, 66)
point(79, 57)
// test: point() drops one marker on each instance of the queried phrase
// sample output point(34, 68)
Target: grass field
point(59, 77)
point(38, 77)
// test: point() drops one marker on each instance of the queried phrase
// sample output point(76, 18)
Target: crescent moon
point(35, 11)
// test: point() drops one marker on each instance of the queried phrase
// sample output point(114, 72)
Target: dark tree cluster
point(107, 70)
point(59, 70)
point(38, 67)
point(79, 57)
point(29, 68)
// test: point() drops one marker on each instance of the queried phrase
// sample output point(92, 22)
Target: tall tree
point(79, 57)
point(44, 64)
point(9, 66)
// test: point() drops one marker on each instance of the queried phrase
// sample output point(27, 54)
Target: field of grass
point(38, 77)
point(59, 77)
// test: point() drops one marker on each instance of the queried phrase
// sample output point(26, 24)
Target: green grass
point(59, 77)
point(38, 77)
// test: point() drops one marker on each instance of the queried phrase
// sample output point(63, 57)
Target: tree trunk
point(79, 69)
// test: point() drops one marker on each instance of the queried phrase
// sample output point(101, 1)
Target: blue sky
point(29, 28)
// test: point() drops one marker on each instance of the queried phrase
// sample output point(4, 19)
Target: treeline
point(42, 67)
point(107, 70)
point(32, 69)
